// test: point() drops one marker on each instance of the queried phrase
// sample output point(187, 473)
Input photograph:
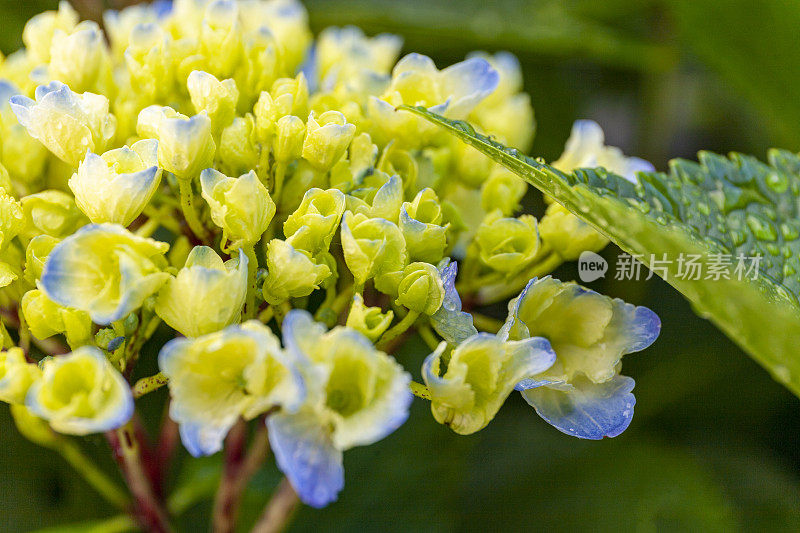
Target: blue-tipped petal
point(201, 439)
point(641, 329)
point(469, 82)
point(305, 453)
point(454, 325)
point(300, 332)
point(21, 106)
point(589, 410)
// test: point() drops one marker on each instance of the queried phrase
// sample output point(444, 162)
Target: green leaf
point(734, 205)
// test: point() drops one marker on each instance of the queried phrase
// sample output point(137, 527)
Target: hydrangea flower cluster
point(206, 165)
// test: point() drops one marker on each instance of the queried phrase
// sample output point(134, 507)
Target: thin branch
point(148, 509)
point(239, 468)
point(279, 510)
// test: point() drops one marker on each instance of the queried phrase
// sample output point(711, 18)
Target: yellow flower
point(206, 295)
point(241, 206)
point(104, 270)
point(116, 186)
point(68, 124)
point(185, 145)
point(16, 376)
point(327, 139)
point(46, 318)
point(240, 371)
point(81, 393)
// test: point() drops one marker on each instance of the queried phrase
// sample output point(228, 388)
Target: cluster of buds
point(209, 169)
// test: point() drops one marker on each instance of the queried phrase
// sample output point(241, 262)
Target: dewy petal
point(637, 327)
point(590, 332)
point(305, 453)
point(589, 410)
point(454, 325)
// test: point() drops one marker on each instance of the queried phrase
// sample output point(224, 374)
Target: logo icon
point(591, 267)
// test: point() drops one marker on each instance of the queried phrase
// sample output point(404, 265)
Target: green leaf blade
point(728, 206)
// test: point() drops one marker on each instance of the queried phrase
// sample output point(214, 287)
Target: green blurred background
point(715, 443)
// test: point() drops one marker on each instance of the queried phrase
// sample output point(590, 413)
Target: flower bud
point(38, 32)
point(503, 190)
point(221, 37)
point(79, 58)
point(312, 225)
point(378, 196)
point(51, 213)
point(16, 375)
point(67, 123)
point(327, 139)
point(288, 96)
point(507, 244)
point(81, 393)
point(46, 318)
point(567, 235)
point(12, 219)
point(290, 133)
point(238, 151)
point(291, 273)
point(471, 166)
point(420, 222)
point(123, 271)
point(119, 25)
point(185, 145)
point(149, 60)
point(242, 207)
point(206, 295)
point(116, 186)
point(259, 67)
point(420, 288)
point(372, 246)
point(217, 98)
point(36, 255)
point(371, 321)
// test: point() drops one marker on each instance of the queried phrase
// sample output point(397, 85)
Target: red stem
point(167, 442)
point(148, 509)
point(239, 468)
